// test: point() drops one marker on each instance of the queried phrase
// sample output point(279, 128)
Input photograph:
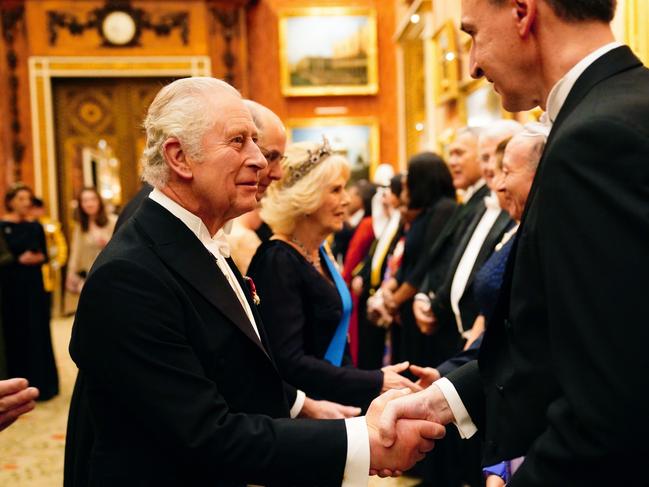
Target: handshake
point(403, 427)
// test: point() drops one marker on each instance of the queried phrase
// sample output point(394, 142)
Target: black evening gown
point(300, 310)
point(25, 311)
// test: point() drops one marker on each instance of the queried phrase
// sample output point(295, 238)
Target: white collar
point(562, 88)
point(356, 218)
point(194, 223)
point(491, 201)
point(471, 190)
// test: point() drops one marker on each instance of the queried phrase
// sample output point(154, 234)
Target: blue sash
point(336, 348)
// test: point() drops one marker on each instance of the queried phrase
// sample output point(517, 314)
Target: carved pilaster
point(12, 22)
point(228, 22)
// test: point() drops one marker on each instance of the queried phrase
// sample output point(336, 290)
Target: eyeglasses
point(272, 156)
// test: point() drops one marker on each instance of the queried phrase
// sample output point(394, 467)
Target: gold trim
point(446, 72)
point(43, 69)
point(372, 122)
point(467, 88)
point(636, 13)
point(372, 86)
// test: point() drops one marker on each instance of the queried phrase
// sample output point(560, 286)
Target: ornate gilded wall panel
point(99, 135)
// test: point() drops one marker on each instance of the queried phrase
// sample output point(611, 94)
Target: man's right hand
point(413, 438)
point(429, 405)
point(16, 398)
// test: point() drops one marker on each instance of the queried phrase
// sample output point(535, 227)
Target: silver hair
point(537, 134)
point(473, 131)
point(254, 108)
point(501, 129)
point(179, 110)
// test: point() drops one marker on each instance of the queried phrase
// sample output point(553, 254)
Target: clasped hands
point(403, 427)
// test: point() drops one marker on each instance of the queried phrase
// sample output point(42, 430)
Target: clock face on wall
point(118, 28)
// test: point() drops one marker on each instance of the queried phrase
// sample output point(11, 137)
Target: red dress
point(359, 247)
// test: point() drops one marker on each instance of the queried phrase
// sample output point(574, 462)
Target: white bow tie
point(222, 244)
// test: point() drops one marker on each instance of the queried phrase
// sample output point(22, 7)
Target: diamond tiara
point(314, 157)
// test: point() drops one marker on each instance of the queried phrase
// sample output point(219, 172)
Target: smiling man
point(561, 377)
point(174, 368)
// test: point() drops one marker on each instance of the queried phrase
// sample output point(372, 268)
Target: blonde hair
point(283, 205)
point(179, 110)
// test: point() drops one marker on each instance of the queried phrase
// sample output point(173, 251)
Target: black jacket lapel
point(502, 223)
point(180, 250)
point(255, 312)
point(613, 62)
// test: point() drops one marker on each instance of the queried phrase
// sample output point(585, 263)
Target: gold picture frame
point(480, 104)
point(343, 60)
point(357, 138)
point(446, 65)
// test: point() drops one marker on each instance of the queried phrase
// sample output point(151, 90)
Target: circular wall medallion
point(118, 28)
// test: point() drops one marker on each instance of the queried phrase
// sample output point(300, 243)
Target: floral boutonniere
point(253, 290)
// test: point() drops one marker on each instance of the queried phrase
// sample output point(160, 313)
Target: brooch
point(253, 290)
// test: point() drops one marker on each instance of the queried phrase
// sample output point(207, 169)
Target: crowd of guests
point(418, 272)
point(363, 287)
point(33, 259)
point(342, 291)
point(418, 290)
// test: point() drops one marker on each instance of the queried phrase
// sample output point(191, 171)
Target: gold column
point(636, 27)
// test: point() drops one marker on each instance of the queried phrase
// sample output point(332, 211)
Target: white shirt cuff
point(463, 421)
point(298, 404)
point(357, 467)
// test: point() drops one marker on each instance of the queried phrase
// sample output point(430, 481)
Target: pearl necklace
point(314, 262)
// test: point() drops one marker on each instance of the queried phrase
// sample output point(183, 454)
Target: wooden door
point(99, 137)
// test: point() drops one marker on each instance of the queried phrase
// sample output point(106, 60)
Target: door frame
point(42, 69)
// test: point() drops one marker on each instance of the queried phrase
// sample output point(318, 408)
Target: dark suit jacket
point(431, 270)
point(562, 374)
point(179, 388)
point(132, 206)
point(469, 308)
point(302, 309)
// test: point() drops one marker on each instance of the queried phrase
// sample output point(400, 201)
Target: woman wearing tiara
point(304, 302)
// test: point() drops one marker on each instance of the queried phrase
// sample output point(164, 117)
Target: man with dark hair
point(562, 374)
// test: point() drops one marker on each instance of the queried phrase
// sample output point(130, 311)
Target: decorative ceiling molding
point(141, 19)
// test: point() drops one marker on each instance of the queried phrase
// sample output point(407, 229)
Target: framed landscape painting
point(328, 51)
point(356, 138)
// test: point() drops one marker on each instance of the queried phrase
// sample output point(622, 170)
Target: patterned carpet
point(31, 450)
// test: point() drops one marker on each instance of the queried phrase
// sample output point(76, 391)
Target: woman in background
point(430, 198)
point(25, 305)
point(90, 236)
point(305, 304)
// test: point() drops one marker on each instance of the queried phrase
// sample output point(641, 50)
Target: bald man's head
point(271, 142)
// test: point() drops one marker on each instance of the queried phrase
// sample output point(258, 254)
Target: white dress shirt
point(467, 261)
point(357, 467)
point(557, 97)
point(471, 190)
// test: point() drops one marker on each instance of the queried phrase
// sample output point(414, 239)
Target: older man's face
point(272, 142)
point(463, 161)
point(225, 180)
point(499, 53)
point(517, 174)
point(487, 155)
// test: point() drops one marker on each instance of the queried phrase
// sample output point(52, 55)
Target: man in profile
point(173, 365)
point(562, 372)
